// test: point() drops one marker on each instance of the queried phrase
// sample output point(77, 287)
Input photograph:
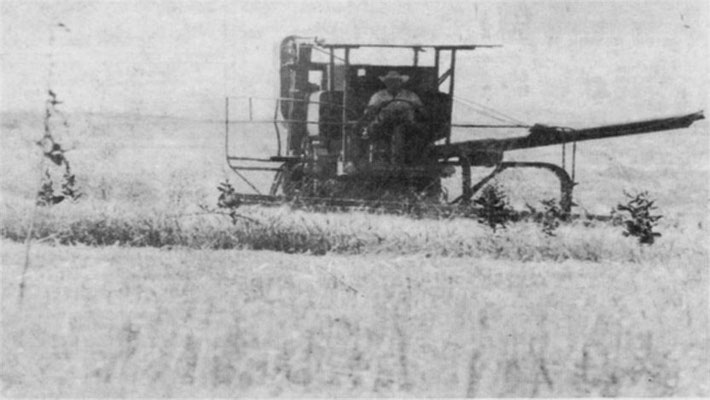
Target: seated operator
point(395, 106)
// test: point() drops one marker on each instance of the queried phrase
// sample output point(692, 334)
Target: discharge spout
point(542, 135)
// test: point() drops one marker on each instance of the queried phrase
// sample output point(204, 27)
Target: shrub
point(495, 209)
point(55, 153)
point(552, 214)
point(639, 222)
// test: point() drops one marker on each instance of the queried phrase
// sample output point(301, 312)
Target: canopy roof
point(406, 46)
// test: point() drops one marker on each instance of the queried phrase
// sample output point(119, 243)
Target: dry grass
point(146, 322)
point(295, 231)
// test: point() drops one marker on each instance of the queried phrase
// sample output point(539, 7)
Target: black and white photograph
point(341, 198)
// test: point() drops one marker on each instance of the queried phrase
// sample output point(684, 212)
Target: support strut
point(466, 188)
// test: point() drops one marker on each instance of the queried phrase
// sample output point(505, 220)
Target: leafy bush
point(495, 209)
point(46, 195)
point(639, 222)
point(552, 214)
point(228, 199)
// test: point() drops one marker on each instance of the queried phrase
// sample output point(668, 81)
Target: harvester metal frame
point(323, 123)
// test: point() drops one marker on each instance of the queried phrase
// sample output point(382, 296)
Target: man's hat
point(394, 75)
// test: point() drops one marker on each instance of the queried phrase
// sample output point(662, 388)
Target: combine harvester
point(338, 148)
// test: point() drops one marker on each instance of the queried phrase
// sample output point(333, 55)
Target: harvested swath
point(295, 231)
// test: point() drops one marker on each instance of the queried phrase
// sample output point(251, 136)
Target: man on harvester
point(393, 112)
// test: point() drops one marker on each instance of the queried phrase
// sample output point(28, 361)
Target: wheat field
point(147, 322)
point(131, 292)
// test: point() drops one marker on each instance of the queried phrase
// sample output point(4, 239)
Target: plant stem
point(30, 229)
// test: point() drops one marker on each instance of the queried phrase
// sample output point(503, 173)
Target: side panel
point(325, 114)
point(324, 120)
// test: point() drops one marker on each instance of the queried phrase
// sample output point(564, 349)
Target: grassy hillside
point(122, 322)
